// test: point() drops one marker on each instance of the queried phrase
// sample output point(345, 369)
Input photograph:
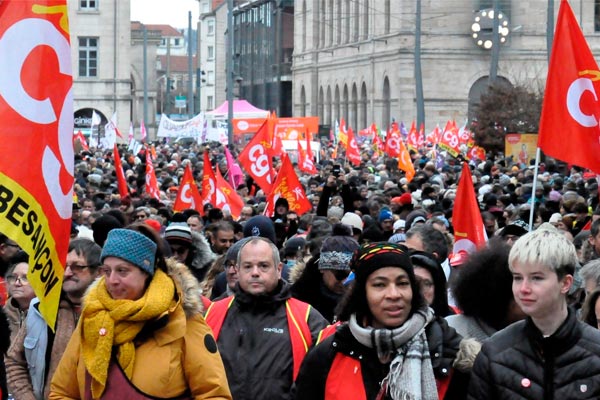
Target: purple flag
point(236, 176)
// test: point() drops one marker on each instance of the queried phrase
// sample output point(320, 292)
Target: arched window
point(321, 107)
point(304, 25)
point(480, 87)
point(366, 15)
point(336, 112)
point(328, 116)
point(302, 102)
point(354, 106)
point(386, 106)
point(345, 106)
point(363, 106)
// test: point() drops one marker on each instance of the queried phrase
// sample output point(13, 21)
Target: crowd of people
point(361, 297)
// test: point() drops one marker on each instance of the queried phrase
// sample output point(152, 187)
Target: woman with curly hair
point(483, 291)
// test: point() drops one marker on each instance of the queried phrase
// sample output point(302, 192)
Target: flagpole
point(535, 178)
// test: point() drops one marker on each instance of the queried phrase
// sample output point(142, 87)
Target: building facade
point(100, 49)
point(211, 51)
point(356, 59)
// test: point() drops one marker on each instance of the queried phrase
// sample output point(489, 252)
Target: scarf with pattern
point(411, 374)
point(108, 323)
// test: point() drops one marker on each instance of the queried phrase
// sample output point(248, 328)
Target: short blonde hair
point(545, 246)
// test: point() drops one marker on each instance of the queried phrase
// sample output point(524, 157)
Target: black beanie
point(374, 256)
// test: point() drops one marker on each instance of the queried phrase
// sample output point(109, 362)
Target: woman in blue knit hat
point(141, 334)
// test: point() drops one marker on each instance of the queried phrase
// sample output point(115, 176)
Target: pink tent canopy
point(239, 106)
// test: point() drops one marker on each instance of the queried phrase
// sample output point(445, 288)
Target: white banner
point(174, 129)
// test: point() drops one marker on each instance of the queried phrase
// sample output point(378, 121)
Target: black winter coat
point(519, 363)
point(443, 344)
point(255, 345)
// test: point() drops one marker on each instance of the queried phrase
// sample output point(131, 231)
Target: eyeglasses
point(140, 216)
point(76, 268)
point(340, 275)
point(12, 279)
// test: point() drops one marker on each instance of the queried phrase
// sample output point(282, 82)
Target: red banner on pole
point(36, 110)
point(188, 195)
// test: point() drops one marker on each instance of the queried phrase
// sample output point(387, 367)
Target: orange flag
point(343, 133)
point(405, 162)
point(209, 184)
point(569, 122)
point(121, 181)
point(151, 182)
point(188, 195)
point(412, 141)
point(469, 231)
point(36, 110)
point(392, 141)
point(352, 149)
point(288, 186)
point(227, 198)
point(256, 158)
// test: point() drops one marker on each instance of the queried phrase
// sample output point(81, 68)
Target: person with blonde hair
point(550, 354)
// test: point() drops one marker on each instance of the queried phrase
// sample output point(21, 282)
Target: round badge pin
point(525, 382)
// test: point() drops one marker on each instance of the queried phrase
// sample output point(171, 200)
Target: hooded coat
point(202, 257)
point(179, 357)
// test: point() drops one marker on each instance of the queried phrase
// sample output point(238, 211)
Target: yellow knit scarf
point(106, 322)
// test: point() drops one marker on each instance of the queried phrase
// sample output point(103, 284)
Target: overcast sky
point(171, 12)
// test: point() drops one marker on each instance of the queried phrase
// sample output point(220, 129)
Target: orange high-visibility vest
point(297, 317)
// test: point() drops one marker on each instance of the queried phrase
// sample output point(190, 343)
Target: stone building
point(101, 57)
point(356, 59)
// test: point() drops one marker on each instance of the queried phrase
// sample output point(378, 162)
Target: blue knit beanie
point(384, 214)
point(130, 246)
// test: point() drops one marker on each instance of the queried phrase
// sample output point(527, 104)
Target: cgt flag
point(36, 110)
point(569, 122)
point(188, 195)
point(469, 231)
point(209, 184)
point(256, 158)
point(288, 186)
point(227, 198)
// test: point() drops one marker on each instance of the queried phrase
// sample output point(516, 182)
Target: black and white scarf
point(411, 374)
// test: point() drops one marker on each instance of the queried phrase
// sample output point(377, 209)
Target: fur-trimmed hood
point(187, 286)
point(203, 254)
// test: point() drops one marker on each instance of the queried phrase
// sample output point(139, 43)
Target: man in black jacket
point(551, 354)
point(262, 332)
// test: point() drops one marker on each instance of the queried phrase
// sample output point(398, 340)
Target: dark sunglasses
point(340, 275)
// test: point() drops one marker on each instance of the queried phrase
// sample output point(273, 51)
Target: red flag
point(288, 186)
point(276, 143)
point(569, 122)
point(151, 182)
point(188, 195)
point(449, 140)
point(392, 141)
point(256, 158)
point(305, 159)
point(352, 150)
point(121, 181)
point(227, 198)
point(421, 137)
point(79, 136)
point(434, 137)
point(36, 166)
point(405, 162)
point(343, 133)
point(209, 184)
point(412, 141)
point(476, 152)
point(469, 231)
